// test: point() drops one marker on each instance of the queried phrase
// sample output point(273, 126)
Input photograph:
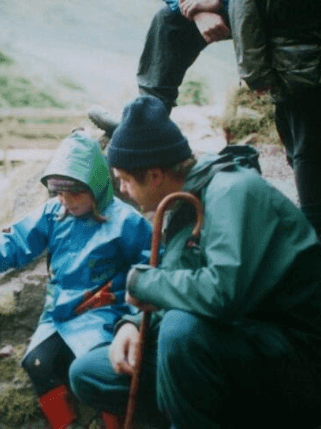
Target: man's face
point(144, 194)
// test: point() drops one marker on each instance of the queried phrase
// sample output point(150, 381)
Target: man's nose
point(122, 187)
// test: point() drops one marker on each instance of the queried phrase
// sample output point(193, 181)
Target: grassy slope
point(18, 91)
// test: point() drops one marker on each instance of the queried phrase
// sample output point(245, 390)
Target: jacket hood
point(79, 157)
point(208, 165)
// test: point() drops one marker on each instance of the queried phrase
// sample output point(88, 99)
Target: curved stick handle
point(159, 215)
point(156, 238)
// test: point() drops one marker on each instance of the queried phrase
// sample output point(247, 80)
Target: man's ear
point(155, 177)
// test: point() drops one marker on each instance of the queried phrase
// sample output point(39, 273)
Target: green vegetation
point(193, 92)
point(246, 114)
point(20, 92)
point(68, 83)
point(17, 91)
point(7, 368)
point(5, 60)
point(50, 120)
point(18, 402)
point(18, 406)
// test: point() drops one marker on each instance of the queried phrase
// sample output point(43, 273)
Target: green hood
point(79, 157)
point(208, 165)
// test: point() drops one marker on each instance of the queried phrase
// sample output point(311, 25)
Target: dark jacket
point(278, 44)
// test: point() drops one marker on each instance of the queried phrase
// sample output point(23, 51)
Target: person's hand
point(139, 304)
point(189, 8)
point(123, 349)
point(211, 26)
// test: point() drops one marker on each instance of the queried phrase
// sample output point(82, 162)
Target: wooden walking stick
point(156, 238)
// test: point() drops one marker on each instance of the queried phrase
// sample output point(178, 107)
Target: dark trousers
point(242, 376)
point(172, 45)
point(298, 122)
point(246, 375)
point(48, 364)
point(95, 383)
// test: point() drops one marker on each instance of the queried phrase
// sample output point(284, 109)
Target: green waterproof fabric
point(80, 158)
point(253, 240)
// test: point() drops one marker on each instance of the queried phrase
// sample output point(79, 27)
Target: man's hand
point(211, 26)
point(139, 304)
point(123, 349)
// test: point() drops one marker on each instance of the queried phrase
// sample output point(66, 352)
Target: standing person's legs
point(299, 125)
point(172, 45)
point(243, 376)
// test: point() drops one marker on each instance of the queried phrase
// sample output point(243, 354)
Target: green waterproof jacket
point(258, 257)
point(278, 44)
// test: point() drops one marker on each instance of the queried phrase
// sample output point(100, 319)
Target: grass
point(5, 60)
point(248, 114)
point(16, 91)
point(18, 406)
point(50, 120)
point(193, 92)
point(18, 402)
point(68, 83)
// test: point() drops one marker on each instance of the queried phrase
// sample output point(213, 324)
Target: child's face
point(77, 203)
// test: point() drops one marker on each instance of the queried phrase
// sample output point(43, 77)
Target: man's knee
point(176, 335)
point(93, 381)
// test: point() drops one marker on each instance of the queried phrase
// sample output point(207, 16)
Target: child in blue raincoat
point(93, 238)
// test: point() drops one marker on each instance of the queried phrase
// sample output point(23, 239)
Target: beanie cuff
point(131, 159)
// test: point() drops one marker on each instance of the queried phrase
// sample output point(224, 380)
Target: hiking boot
point(103, 120)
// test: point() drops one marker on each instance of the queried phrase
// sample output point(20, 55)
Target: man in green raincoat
point(236, 324)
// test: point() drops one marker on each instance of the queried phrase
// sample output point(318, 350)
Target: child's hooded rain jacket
point(84, 253)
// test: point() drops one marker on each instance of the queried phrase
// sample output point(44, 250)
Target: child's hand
point(189, 8)
point(211, 26)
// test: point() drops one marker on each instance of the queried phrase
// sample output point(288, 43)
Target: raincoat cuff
point(135, 320)
point(132, 277)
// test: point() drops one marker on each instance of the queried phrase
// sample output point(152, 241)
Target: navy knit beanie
point(146, 137)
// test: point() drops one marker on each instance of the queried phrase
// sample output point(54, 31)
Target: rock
point(6, 351)
point(196, 124)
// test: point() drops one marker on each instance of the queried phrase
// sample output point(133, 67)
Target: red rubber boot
point(111, 421)
point(56, 405)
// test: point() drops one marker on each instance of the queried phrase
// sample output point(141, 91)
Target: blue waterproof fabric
point(174, 5)
point(84, 253)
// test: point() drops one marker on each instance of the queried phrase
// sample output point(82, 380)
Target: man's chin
point(148, 209)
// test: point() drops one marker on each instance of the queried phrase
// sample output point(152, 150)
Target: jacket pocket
point(297, 65)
